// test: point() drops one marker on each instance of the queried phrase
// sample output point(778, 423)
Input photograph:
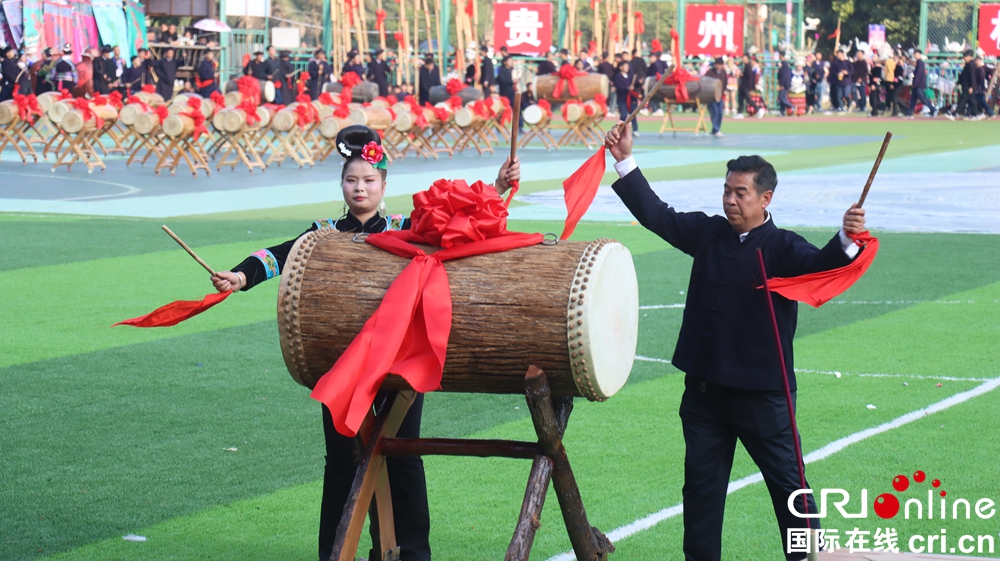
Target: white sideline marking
point(858, 374)
point(830, 449)
point(856, 302)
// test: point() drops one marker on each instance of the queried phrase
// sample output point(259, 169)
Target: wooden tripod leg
point(589, 544)
point(534, 495)
point(371, 466)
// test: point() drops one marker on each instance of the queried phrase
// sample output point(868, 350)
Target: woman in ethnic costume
point(363, 182)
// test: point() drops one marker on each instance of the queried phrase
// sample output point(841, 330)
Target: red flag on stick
point(580, 189)
point(175, 312)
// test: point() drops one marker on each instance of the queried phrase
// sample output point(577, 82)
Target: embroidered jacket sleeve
point(267, 263)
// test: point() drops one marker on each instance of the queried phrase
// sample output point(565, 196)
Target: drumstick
point(878, 162)
point(642, 104)
point(188, 249)
point(515, 125)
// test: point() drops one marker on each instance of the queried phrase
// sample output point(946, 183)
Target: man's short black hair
point(969, 53)
point(764, 179)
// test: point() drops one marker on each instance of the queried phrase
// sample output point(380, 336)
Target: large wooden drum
point(705, 90)
point(587, 87)
point(266, 91)
point(439, 94)
point(534, 114)
point(571, 309)
point(364, 92)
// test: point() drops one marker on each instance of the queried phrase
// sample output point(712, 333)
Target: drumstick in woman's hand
point(188, 249)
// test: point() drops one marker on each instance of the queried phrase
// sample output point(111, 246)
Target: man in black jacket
point(860, 77)
point(487, 74)
point(919, 89)
point(319, 73)
point(429, 77)
point(104, 71)
point(733, 385)
point(964, 87)
point(784, 84)
point(9, 73)
point(378, 72)
point(548, 67)
point(505, 79)
point(166, 71)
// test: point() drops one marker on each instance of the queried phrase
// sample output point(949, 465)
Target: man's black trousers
point(713, 417)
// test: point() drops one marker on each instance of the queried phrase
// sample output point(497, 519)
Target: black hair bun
point(352, 139)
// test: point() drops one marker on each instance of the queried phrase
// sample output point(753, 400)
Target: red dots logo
point(886, 505)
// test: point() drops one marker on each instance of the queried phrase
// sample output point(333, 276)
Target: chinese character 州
point(524, 26)
point(717, 27)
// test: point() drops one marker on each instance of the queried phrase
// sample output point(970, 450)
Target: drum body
point(364, 92)
point(571, 309)
point(371, 117)
point(146, 123)
point(266, 91)
point(330, 126)
point(9, 112)
point(588, 87)
point(706, 90)
point(439, 94)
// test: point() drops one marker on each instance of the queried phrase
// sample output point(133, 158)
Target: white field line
point(856, 302)
point(830, 449)
point(858, 374)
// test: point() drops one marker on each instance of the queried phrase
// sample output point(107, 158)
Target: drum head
point(532, 114)
point(267, 91)
point(603, 320)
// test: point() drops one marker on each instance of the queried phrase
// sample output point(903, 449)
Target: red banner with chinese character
point(989, 29)
point(525, 28)
point(713, 30)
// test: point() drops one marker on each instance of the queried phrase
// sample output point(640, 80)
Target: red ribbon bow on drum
point(162, 111)
point(455, 102)
point(326, 99)
point(408, 334)
point(27, 106)
point(342, 111)
point(348, 81)
point(115, 100)
point(508, 112)
point(546, 106)
point(219, 100)
point(133, 100)
point(679, 77)
point(454, 86)
point(83, 106)
point(249, 87)
point(567, 76)
point(251, 112)
point(305, 112)
point(440, 113)
point(194, 106)
point(149, 88)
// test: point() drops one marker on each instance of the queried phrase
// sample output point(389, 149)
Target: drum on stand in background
point(439, 94)
point(266, 91)
point(534, 114)
point(571, 308)
point(706, 90)
point(364, 92)
point(588, 87)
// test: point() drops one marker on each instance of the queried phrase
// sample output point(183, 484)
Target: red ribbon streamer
point(175, 312)
point(408, 334)
point(640, 24)
point(580, 189)
point(819, 288)
point(149, 88)
point(27, 105)
point(219, 100)
point(251, 112)
point(655, 46)
point(567, 76)
point(83, 106)
point(380, 20)
point(249, 87)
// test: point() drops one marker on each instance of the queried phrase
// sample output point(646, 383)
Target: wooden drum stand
point(376, 440)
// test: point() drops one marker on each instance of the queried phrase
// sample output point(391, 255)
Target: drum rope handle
point(550, 241)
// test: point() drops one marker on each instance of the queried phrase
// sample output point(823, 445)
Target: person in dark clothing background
point(487, 74)
point(65, 71)
point(734, 389)
point(166, 71)
point(622, 83)
point(505, 79)
point(429, 77)
point(784, 85)
point(205, 75)
point(876, 86)
point(718, 71)
point(104, 71)
point(256, 67)
point(319, 73)
point(378, 72)
point(980, 77)
point(353, 64)
point(747, 84)
point(918, 91)
point(547, 66)
point(840, 82)
point(284, 78)
point(966, 103)
point(132, 77)
point(605, 67)
point(9, 72)
point(860, 77)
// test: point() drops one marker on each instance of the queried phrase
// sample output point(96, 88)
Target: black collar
point(350, 223)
